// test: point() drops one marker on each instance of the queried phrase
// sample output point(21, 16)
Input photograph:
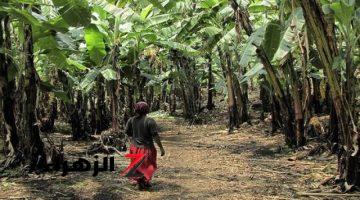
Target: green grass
point(161, 115)
point(62, 127)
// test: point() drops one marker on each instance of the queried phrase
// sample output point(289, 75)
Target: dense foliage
point(87, 62)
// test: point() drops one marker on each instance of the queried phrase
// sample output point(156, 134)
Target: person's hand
point(162, 151)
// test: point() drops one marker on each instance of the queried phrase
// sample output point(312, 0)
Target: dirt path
point(201, 162)
point(205, 162)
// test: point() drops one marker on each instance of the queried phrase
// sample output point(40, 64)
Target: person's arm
point(158, 142)
point(155, 134)
point(128, 128)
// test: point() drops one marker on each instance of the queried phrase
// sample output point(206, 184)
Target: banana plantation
point(270, 84)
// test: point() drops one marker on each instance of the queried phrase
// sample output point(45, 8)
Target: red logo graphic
point(136, 161)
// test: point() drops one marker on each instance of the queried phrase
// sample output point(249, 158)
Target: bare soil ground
point(201, 162)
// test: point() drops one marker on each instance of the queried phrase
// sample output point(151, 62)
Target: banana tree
point(328, 50)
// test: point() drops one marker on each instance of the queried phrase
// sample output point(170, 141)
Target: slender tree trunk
point(276, 120)
point(101, 118)
point(265, 97)
point(129, 102)
point(49, 124)
point(129, 95)
point(150, 90)
point(351, 81)
point(115, 92)
point(241, 100)
point(315, 97)
point(92, 115)
point(234, 120)
point(141, 87)
point(172, 97)
point(187, 85)
point(161, 98)
point(76, 121)
point(210, 87)
point(196, 89)
point(150, 98)
point(7, 92)
point(296, 95)
point(73, 109)
point(241, 91)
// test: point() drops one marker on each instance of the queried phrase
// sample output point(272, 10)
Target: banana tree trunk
point(49, 124)
point(72, 108)
point(324, 38)
point(234, 119)
point(276, 120)
point(31, 144)
point(243, 20)
point(92, 115)
point(172, 97)
point(210, 86)
point(187, 85)
point(297, 102)
point(7, 94)
point(315, 97)
point(265, 96)
point(101, 117)
point(241, 100)
point(116, 91)
point(128, 102)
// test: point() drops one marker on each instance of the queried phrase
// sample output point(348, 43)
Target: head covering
point(141, 108)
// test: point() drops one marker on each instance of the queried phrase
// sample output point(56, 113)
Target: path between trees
point(201, 162)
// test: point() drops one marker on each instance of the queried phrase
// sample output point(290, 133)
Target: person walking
point(143, 132)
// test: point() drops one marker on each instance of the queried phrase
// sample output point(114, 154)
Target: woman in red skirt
point(143, 132)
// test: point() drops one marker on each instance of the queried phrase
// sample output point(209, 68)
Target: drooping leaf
point(178, 46)
point(95, 44)
point(74, 12)
point(158, 19)
point(211, 30)
point(57, 24)
point(262, 6)
point(150, 37)
point(145, 12)
point(58, 58)
point(229, 35)
point(89, 79)
point(126, 27)
point(76, 64)
point(272, 38)
point(100, 12)
point(47, 43)
point(65, 41)
point(344, 11)
point(62, 95)
point(221, 37)
point(109, 7)
point(208, 3)
point(257, 69)
point(109, 74)
point(157, 4)
point(47, 87)
point(169, 4)
point(190, 24)
point(21, 14)
point(288, 39)
point(250, 50)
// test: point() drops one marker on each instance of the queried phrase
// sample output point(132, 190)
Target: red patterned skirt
point(148, 166)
